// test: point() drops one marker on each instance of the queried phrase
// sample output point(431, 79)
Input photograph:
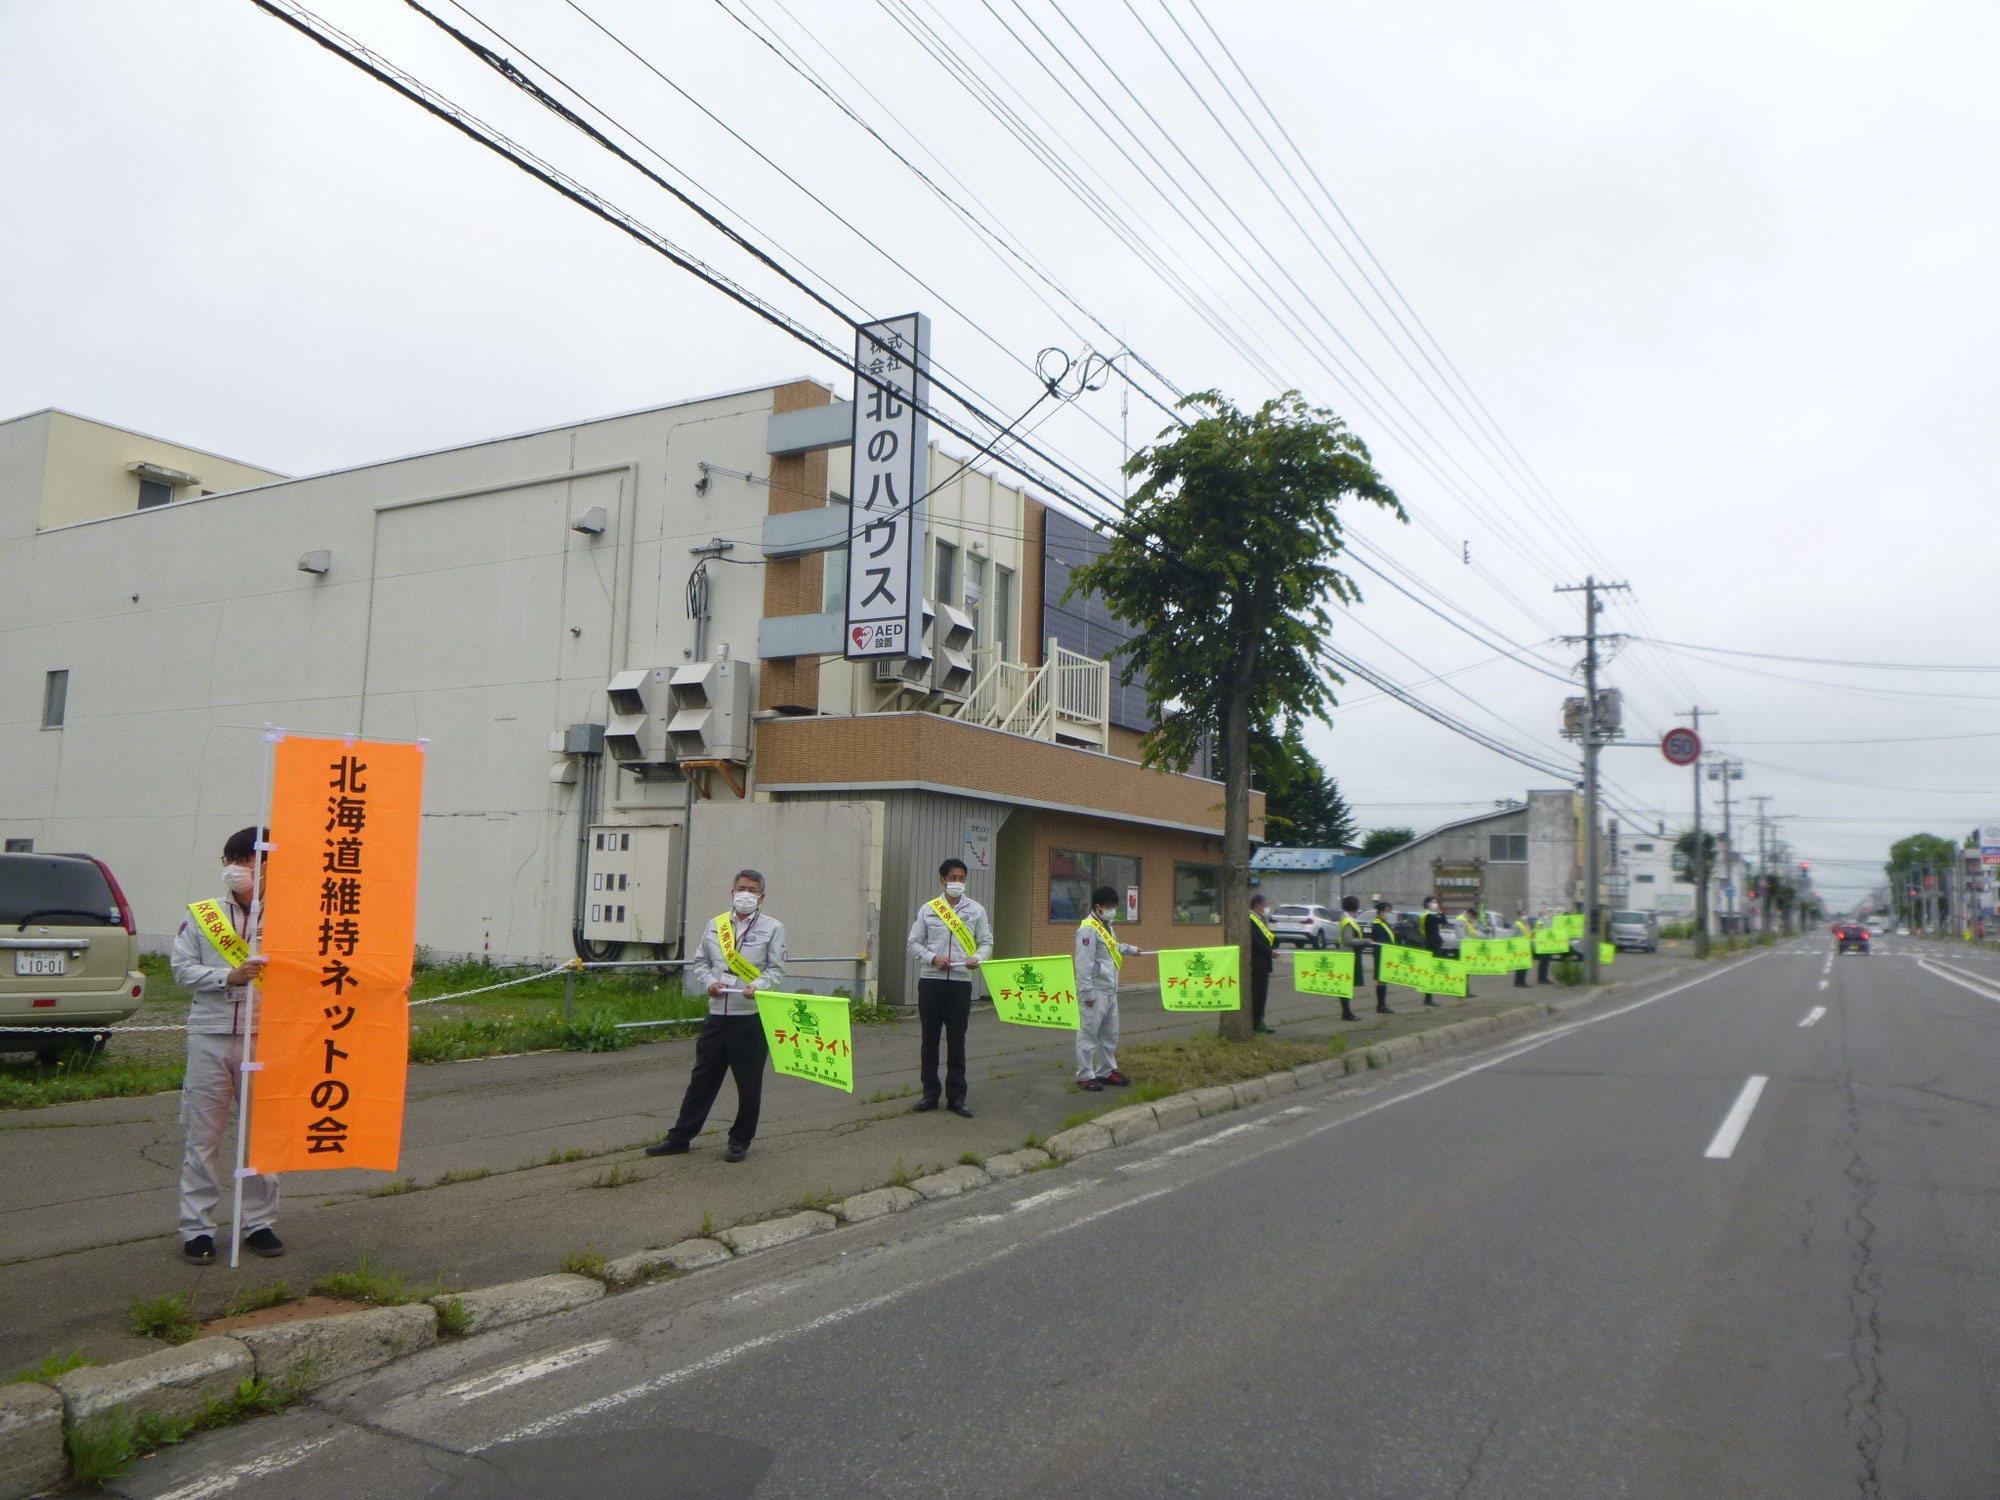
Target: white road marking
point(1731, 1129)
point(256, 1468)
point(1822, 984)
point(521, 1374)
point(1052, 1195)
point(1299, 1109)
point(1964, 979)
point(1220, 1135)
point(1813, 1015)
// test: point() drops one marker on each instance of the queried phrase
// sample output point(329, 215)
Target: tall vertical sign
point(885, 522)
point(340, 914)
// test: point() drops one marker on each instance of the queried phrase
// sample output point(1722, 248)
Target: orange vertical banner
point(340, 929)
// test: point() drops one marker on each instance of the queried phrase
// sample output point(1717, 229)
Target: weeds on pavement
point(899, 1175)
point(394, 1189)
point(169, 1316)
point(462, 1174)
point(101, 1448)
point(587, 1262)
point(257, 1298)
point(453, 1320)
point(370, 1283)
point(620, 1175)
point(971, 1159)
point(54, 1363)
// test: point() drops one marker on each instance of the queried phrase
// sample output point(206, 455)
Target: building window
point(1003, 612)
point(1643, 879)
point(1198, 893)
point(1075, 873)
point(55, 699)
point(152, 492)
point(1642, 848)
point(1121, 873)
point(944, 575)
point(975, 597)
point(20, 846)
point(833, 596)
point(1507, 848)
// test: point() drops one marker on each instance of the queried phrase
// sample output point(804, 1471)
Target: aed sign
point(885, 518)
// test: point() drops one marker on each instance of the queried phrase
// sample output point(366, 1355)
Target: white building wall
point(460, 607)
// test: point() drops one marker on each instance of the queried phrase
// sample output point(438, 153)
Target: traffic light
point(1804, 867)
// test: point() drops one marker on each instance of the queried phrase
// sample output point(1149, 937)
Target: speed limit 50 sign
point(1681, 747)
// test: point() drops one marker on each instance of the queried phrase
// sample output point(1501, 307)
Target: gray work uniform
point(760, 940)
point(930, 938)
point(209, 1091)
point(1096, 1004)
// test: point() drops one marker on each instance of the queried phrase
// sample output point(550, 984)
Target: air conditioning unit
point(911, 671)
point(950, 640)
point(710, 706)
point(635, 733)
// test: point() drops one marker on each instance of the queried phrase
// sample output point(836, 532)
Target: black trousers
point(1260, 992)
point(725, 1044)
point(943, 1005)
point(1542, 967)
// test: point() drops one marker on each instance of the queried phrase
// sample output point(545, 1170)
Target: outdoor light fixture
point(315, 562)
point(591, 522)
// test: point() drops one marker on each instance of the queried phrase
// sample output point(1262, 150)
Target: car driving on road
point(1850, 937)
point(68, 958)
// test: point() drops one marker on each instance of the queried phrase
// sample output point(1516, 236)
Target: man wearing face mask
point(742, 951)
point(212, 957)
point(950, 938)
point(1099, 957)
point(1433, 933)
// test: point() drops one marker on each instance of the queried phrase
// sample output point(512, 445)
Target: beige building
point(621, 641)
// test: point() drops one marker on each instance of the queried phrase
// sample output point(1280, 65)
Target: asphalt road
point(1547, 1270)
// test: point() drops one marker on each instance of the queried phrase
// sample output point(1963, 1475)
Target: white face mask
point(954, 888)
point(238, 878)
point(744, 902)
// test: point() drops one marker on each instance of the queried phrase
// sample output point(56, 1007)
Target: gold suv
point(69, 962)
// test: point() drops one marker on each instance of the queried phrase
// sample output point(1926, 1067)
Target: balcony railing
point(1067, 699)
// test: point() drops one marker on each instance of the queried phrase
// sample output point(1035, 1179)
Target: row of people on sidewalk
point(741, 952)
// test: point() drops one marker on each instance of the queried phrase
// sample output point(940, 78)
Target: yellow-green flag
point(1486, 955)
point(1607, 953)
point(1425, 972)
point(1520, 952)
point(1569, 924)
point(1200, 979)
point(1324, 974)
point(1033, 991)
point(1550, 943)
point(810, 1037)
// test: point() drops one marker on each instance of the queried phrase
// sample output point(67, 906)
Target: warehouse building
point(1529, 854)
point(620, 640)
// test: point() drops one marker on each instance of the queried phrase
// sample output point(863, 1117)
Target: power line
point(1824, 661)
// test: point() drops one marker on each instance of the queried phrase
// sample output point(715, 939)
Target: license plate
point(34, 961)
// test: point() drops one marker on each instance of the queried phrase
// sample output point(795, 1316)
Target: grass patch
point(453, 1320)
point(169, 1316)
point(899, 1175)
point(462, 1174)
point(529, 1017)
point(971, 1159)
point(1570, 974)
point(707, 1225)
point(620, 1175)
point(587, 1262)
point(370, 1283)
point(257, 1298)
point(873, 1013)
point(54, 1363)
point(26, 1083)
point(394, 1189)
point(104, 1447)
point(1162, 1068)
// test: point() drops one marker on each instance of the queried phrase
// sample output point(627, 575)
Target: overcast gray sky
point(1719, 275)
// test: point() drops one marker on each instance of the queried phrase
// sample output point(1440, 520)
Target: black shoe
point(736, 1152)
point(1264, 1030)
point(922, 1105)
point(1383, 1010)
point(668, 1147)
point(1430, 1000)
point(200, 1249)
point(1348, 1015)
point(264, 1242)
point(960, 1110)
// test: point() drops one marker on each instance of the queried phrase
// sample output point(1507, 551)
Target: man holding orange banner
point(742, 951)
point(213, 958)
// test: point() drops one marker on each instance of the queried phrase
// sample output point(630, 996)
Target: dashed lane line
point(1813, 1015)
point(1723, 1146)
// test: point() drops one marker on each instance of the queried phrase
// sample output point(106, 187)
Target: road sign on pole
point(1681, 747)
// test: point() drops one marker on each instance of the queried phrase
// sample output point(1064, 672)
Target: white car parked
point(1303, 926)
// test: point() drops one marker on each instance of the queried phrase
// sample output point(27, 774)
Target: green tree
point(1684, 856)
point(1912, 858)
point(1225, 565)
point(1303, 807)
point(1382, 840)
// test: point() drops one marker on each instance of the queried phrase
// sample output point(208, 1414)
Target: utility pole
point(1593, 929)
point(1763, 868)
point(1725, 770)
point(1697, 866)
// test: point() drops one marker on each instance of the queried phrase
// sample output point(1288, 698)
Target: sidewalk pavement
point(87, 1223)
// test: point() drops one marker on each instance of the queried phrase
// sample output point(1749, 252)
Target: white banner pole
point(245, 1065)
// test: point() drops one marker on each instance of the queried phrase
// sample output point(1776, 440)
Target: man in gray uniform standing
point(951, 937)
point(213, 957)
point(742, 951)
point(1099, 957)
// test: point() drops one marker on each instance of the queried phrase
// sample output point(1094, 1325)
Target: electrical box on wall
point(632, 884)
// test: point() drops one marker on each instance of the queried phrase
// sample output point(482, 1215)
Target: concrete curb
point(314, 1351)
